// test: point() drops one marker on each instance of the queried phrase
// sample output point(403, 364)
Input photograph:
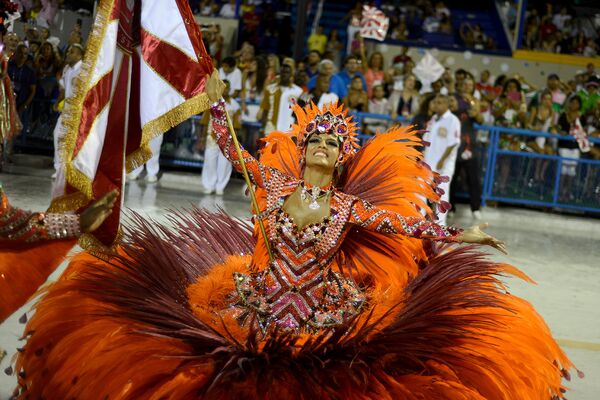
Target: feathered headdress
point(330, 119)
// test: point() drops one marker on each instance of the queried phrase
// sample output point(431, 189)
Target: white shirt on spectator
point(285, 116)
point(234, 78)
point(559, 20)
point(67, 81)
point(327, 98)
point(227, 11)
point(443, 132)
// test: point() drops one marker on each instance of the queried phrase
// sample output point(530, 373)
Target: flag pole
point(238, 149)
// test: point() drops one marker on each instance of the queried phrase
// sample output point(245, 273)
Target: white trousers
point(217, 169)
point(152, 166)
point(57, 137)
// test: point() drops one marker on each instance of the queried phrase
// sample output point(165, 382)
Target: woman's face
point(252, 66)
point(511, 87)
point(574, 105)
point(322, 151)
point(47, 50)
point(377, 61)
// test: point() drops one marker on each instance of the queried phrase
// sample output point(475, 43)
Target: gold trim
point(160, 125)
point(98, 249)
point(68, 203)
point(555, 58)
point(74, 105)
point(71, 117)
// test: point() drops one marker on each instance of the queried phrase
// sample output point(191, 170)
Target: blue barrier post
point(557, 182)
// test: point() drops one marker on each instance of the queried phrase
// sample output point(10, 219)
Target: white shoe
point(54, 175)
point(477, 215)
point(151, 179)
point(206, 191)
point(131, 177)
point(219, 192)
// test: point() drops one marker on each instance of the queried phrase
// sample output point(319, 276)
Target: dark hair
point(500, 80)
point(314, 51)
point(577, 99)
point(261, 73)
point(509, 81)
point(424, 106)
point(229, 61)
point(350, 57)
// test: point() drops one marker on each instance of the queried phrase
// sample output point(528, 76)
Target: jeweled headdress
point(331, 118)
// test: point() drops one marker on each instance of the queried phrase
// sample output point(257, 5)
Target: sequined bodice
point(299, 289)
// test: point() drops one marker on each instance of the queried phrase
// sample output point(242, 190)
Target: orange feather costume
point(165, 318)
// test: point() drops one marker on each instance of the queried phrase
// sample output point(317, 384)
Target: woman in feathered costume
point(349, 297)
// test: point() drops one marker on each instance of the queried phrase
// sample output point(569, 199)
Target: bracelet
point(62, 226)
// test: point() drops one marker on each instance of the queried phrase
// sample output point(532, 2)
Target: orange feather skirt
point(154, 323)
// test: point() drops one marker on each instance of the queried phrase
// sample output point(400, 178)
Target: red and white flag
point(374, 24)
point(144, 71)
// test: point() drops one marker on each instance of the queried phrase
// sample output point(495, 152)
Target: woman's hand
point(475, 234)
point(214, 87)
point(96, 214)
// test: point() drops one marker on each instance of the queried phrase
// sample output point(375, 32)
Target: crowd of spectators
point(267, 84)
point(36, 64)
point(559, 31)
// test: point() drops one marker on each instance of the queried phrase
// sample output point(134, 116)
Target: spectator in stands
point(378, 104)
point(400, 31)
point(215, 41)
point(425, 112)
point(11, 41)
point(231, 73)
point(228, 10)
point(317, 40)
point(47, 64)
point(431, 23)
point(336, 85)
point(350, 71)
point(244, 55)
point(312, 63)
point(444, 139)
point(320, 94)
point(590, 49)
point(276, 106)
point(373, 69)
point(547, 28)
point(67, 88)
point(568, 124)
point(217, 169)
point(467, 162)
point(441, 10)
point(590, 97)
point(353, 17)
point(542, 118)
point(405, 103)
point(334, 48)
point(24, 83)
point(206, 9)
point(273, 66)
point(357, 99)
point(510, 109)
point(557, 89)
point(445, 26)
point(560, 18)
point(253, 83)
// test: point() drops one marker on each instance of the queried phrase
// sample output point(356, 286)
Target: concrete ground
point(560, 252)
